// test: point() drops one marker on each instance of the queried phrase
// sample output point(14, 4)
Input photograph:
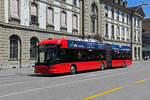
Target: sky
point(138, 2)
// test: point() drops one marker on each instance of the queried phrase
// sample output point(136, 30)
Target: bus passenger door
point(108, 56)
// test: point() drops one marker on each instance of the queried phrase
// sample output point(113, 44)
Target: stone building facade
point(146, 38)
point(23, 23)
point(112, 21)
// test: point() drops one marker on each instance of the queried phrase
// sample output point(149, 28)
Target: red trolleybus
point(70, 56)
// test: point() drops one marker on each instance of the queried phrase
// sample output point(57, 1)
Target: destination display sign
point(85, 45)
point(125, 48)
point(121, 48)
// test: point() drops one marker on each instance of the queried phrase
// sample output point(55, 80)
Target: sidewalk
point(142, 61)
point(16, 71)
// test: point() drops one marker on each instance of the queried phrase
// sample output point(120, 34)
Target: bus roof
point(62, 42)
point(74, 44)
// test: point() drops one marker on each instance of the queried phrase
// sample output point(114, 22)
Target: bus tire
point(73, 70)
point(124, 64)
point(102, 67)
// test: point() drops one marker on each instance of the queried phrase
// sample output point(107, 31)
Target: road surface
point(131, 83)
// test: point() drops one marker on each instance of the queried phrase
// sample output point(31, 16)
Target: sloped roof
point(139, 10)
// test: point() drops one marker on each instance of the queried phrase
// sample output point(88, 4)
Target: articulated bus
point(71, 56)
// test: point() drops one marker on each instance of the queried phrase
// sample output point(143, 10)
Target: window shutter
point(75, 22)
point(63, 19)
point(50, 16)
point(14, 8)
point(34, 9)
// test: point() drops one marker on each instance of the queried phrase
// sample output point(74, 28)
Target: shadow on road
point(65, 74)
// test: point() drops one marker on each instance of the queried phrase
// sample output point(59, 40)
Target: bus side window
point(79, 55)
point(61, 53)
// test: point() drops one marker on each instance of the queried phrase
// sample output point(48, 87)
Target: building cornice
point(27, 28)
point(122, 8)
point(116, 5)
point(118, 41)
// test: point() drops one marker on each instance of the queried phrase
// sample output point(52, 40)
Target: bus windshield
point(47, 53)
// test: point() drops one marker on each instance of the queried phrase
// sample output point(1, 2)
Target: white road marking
point(83, 80)
point(11, 84)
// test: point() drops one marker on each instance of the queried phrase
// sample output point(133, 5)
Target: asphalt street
point(131, 83)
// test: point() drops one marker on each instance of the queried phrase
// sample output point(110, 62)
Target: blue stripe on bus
point(85, 45)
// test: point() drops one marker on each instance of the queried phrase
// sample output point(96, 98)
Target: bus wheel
point(124, 65)
point(102, 67)
point(73, 69)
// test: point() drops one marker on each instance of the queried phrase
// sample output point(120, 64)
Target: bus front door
point(108, 56)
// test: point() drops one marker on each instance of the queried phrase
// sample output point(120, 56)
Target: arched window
point(14, 47)
point(33, 47)
point(94, 18)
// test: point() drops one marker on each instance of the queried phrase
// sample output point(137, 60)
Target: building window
point(119, 2)
point(112, 12)
point(14, 41)
point(75, 22)
point(138, 36)
point(14, 10)
point(128, 35)
point(118, 31)
point(93, 26)
point(33, 48)
point(123, 34)
point(63, 19)
point(134, 35)
point(118, 13)
point(34, 13)
point(112, 29)
point(50, 19)
point(135, 53)
point(75, 2)
point(106, 30)
point(127, 19)
point(134, 21)
point(64, 0)
point(139, 54)
point(123, 17)
point(94, 18)
point(106, 11)
point(138, 22)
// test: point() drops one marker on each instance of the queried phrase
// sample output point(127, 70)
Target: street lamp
point(132, 14)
